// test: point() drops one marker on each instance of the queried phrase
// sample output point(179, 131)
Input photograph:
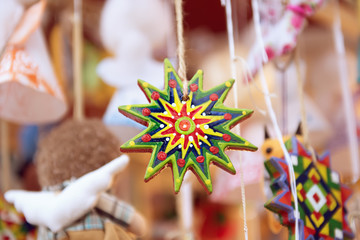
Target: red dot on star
point(200, 159)
point(172, 83)
point(226, 137)
point(227, 116)
point(146, 112)
point(214, 97)
point(161, 156)
point(155, 96)
point(194, 87)
point(214, 150)
point(146, 138)
point(181, 162)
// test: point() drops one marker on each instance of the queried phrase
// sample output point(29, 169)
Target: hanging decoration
point(279, 19)
point(13, 224)
point(321, 196)
point(27, 80)
point(186, 134)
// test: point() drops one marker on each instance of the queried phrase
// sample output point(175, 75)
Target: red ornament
point(162, 156)
point(172, 83)
point(200, 159)
point(194, 87)
point(146, 112)
point(155, 96)
point(227, 116)
point(226, 137)
point(146, 138)
point(214, 150)
point(214, 97)
point(181, 162)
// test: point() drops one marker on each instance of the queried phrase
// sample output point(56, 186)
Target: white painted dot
point(184, 126)
point(170, 125)
point(206, 126)
point(165, 112)
point(167, 139)
point(183, 102)
point(179, 114)
point(206, 137)
point(192, 106)
point(335, 177)
point(173, 104)
point(191, 145)
point(338, 234)
point(200, 143)
point(179, 146)
point(196, 133)
point(197, 125)
point(188, 113)
point(162, 125)
point(172, 117)
point(294, 160)
point(174, 134)
point(193, 118)
point(182, 136)
point(191, 138)
point(204, 114)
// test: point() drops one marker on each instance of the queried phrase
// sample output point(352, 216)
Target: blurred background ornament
point(29, 91)
point(321, 196)
point(13, 225)
point(278, 19)
point(131, 33)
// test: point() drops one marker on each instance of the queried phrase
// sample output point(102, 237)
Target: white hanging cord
point(346, 93)
point(230, 31)
point(273, 117)
point(304, 125)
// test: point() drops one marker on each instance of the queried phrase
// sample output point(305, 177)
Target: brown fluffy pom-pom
point(74, 149)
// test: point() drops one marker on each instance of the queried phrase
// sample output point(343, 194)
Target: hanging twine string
point(77, 61)
point(181, 46)
point(233, 60)
point(274, 121)
point(304, 125)
point(346, 92)
point(5, 156)
point(185, 205)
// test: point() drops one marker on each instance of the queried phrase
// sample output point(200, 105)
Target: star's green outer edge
point(191, 164)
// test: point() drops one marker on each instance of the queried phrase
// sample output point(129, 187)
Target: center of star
point(185, 125)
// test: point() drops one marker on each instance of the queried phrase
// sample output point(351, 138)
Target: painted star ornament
point(187, 134)
point(321, 196)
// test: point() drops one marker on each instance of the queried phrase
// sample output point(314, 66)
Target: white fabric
point(58, 210)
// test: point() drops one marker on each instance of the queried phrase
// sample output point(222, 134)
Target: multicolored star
point(186, 134)
point(321, 196)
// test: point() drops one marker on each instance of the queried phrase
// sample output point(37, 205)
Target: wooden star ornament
point(186, 134)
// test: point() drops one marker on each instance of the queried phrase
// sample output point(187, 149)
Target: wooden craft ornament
point(186, 134)
point(321, 196)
